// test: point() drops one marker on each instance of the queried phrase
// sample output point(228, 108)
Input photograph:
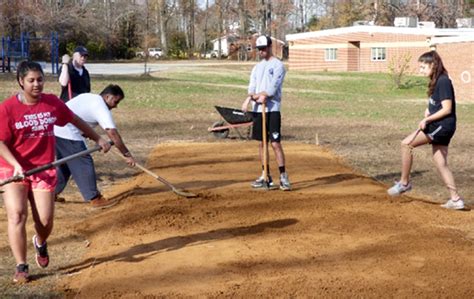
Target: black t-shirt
point(79, 84)
point(444, 90)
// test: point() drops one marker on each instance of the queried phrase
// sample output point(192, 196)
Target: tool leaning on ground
point(161, 179)
point(56, 163)
point(265, 147)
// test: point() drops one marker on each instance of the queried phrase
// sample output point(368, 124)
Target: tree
point(188, 16)
point(166, 12)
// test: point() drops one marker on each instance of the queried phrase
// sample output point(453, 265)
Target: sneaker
point(398, 189)
point(21, 274)
point(42, 257)
point(101, 202)
point(59, 199)
point(285, 184)
point(260, 182)
point(454, 204)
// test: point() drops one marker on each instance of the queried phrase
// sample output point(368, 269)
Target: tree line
point(116, 29)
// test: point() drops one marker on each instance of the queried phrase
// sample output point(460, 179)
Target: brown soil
point(337, 234)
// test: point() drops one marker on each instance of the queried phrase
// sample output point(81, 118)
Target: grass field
point(360, 116)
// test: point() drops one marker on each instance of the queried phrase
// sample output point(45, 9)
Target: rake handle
point(155, 175)
point(51, 165)
point(146, 170)
point(162, 180)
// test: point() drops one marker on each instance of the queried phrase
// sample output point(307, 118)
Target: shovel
point(162, 180)
point(56, 163)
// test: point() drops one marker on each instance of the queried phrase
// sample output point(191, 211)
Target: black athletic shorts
point(273, 126)
point(440, 133)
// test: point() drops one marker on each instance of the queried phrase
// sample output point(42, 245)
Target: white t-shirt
point(92, 109)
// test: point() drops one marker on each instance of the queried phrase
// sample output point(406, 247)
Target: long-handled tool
point(51, 165)
point(265, 146)
point(69, 89)
point(161, 179)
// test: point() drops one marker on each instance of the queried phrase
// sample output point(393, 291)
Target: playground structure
point(16, 50)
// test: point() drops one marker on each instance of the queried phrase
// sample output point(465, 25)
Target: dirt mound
point(337, 234)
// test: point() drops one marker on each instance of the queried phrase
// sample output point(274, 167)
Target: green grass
point(348, 86)
point(359, 96)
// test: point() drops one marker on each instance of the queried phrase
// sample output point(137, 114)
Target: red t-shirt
point(28, 130)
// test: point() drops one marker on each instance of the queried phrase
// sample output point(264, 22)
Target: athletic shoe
point(285, 184)
point(42, 257)
point(454, 204)
point(21, 274)
point(398, 189)
point(101, 202)
point(260, 183)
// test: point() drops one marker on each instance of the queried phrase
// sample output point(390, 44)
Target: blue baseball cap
point(81, 50)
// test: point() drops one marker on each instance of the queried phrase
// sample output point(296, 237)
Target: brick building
point(374, 48)
point(458, 58)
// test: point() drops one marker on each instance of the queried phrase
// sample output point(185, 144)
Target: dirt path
point(336, 235)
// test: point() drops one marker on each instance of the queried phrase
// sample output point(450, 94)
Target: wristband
point(127, 154)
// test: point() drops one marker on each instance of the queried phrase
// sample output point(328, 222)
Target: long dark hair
point(438, 69)
point(26, 66)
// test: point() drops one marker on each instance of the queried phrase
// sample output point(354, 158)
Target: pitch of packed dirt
point(337, 234)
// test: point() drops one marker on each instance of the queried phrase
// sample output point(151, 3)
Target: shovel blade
point(184, 193)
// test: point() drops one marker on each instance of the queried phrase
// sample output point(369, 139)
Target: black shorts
point(273, 126)
point(440, 133)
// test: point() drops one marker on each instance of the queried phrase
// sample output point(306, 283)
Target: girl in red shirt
point(27, 141)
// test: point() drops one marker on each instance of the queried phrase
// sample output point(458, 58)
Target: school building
point(375, 48)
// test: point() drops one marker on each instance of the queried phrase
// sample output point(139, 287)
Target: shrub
point(399, 67)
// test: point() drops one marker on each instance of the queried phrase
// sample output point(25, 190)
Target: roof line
point(383, 29)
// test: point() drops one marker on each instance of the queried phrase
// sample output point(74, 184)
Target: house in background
point(374, 48)
point(236, 48)
point(226, 42)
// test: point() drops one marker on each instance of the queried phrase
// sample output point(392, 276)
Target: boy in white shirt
point(94, 109)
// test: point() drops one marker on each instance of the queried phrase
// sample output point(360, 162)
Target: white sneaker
point(260, 182)
point(285, 184)
point(398, 189)
point(454, 204)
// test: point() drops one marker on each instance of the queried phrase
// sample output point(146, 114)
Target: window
point(330, 54)
point(379, 54)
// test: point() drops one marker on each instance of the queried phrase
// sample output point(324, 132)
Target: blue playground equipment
point(14, 51)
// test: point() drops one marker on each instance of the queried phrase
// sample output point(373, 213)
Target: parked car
point(151, 52)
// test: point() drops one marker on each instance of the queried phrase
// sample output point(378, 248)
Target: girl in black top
point(437, 127)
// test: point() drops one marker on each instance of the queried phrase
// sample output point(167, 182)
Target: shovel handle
point(265, 144)
point(52, 164)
